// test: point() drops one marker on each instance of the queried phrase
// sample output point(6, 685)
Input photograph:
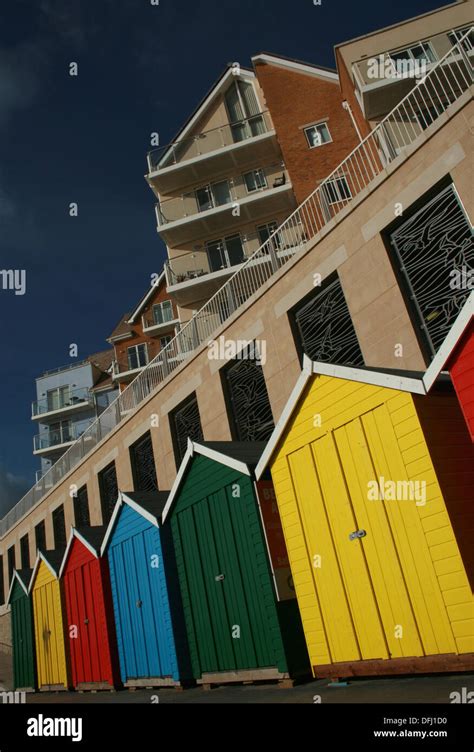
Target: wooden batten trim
point(446, 662)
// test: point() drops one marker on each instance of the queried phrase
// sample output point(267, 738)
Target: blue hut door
point(143, 610)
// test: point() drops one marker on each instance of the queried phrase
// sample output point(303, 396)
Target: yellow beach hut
point(374, 480)
point(51, 658)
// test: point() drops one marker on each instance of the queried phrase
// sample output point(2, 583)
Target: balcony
point(56, 440)
point(61, 405)
point(124, 371)
point(383, 79)
point(209, 209)
point(156, 326)
point(214, 151)
point(197, 276)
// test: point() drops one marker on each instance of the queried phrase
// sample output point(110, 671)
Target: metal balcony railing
point(57, 436)
point(230, 190)
point(209, 141)
point(51, 404)
point(431, 97)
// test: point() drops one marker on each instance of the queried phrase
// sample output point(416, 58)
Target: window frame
point(322, 124)
point(135, 348)
point(257, 171)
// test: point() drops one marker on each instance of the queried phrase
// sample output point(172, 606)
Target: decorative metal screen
point(25, 551)
point(435, 252)
point(59, 528)
point(186, 422)
point(81, 508)
point(143, 465)
point(250, 411)
point(325, 328)
point(40, 536)
point(108, 491)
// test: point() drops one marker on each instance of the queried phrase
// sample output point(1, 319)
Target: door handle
point(357, 534)
point(219, 577)
point(139, 604)
point(86, 621)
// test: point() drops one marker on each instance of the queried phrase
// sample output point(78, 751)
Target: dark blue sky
point(84, 139)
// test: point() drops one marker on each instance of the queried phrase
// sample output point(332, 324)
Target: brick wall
point(312, 99)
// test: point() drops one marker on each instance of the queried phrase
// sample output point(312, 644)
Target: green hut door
point(227, 590)
point(22, 638)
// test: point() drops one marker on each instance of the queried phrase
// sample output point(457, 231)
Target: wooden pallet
point(53, 688)
point(94, 687)
point(154, 682)
point(249, 676)
point(430, 664)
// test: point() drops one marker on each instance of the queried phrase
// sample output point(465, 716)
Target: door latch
point(139, 604)
point(357, 534)
point(219, 577)
point(86, 621)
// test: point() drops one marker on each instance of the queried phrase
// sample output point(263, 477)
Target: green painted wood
point(22, 638)
point(216, 530)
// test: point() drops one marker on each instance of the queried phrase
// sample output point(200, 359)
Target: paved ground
point(431, 689)
point(419, 689)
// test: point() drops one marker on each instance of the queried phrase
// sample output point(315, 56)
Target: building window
point(255, 180)
point(108, 489)
point(165, 341)
point(40, 536)
point(213, 195)
point(11, 563)
point(25, 551)
point(81, 508)
point(248, 405)
point(58, 398)
point(457, 34)
point(143, 464)
point(265, 231)
point(434, 257)
point(336, 190)
point(137, 356)
point(323, 327)
point(59, 527)
point(185, 422)
point(225, 252)
point(2, 583)
point(420, 53)
point(244, 111)
point(58, 433)
point(317, 135)
point(163, 312)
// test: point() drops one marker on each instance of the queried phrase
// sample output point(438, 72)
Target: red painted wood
point(461, 369)
point(93, 652)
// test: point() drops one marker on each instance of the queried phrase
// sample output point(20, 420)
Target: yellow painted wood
point(401, 590)
point(49, 629)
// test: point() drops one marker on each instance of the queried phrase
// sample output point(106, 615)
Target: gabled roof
point(298, 66)
point(52, 559)
point(450, 343)
point(149, 294)
point(238, 455)
point(405, 381)
point(148, 504)
point(23, 577)
point(122, 330)
point(90, 537)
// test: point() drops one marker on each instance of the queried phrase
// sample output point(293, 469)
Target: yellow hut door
point(364, 600)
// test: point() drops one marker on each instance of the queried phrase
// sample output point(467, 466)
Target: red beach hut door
point(89, 650)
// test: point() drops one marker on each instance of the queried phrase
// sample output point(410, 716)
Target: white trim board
point(122, 500)
point(76, 534)
point(311, 70)
point(41, 557)
point(146, 297)
point(16, 576)
point(456, 332)
point(376, 378)
point(195, 448)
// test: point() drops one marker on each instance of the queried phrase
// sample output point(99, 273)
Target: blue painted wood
point(146, 642)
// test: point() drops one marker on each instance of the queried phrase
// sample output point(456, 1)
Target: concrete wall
point(352, 245)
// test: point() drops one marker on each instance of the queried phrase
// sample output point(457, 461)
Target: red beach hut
point(90, 628)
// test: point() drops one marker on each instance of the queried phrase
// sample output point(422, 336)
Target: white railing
point(428, 99)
